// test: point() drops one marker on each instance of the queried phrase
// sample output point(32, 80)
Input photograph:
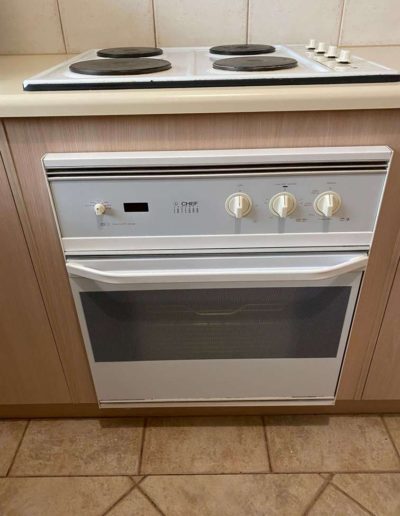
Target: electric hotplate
point(120, 66)
point(117, 52)
point(254, 64)
point(242, 49)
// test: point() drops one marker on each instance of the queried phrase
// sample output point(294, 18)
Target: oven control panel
point(300, 205)
point(264, 198)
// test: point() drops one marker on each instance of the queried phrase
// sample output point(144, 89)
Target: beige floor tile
point(63, 496)
point(134, 504)
point(204, 445)
point(393, 424)
point(80, 447)
point(232, 495)
point(334, 503)
point(329, 443)
point(10, 435)
point(377, 492)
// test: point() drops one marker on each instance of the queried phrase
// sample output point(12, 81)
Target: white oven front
point(219, 328)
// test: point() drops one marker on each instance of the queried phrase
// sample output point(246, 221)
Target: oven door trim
point(115, 381)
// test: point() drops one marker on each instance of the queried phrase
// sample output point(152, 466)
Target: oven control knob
point(238, 205)
point(282, 204)
point(327, 203)
point(99, 208)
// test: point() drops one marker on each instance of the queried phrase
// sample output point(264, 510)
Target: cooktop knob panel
point(99, 208)
point(327, 203)
point(238, 205)
point(282, 204)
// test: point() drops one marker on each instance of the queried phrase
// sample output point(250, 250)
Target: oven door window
point(214, 324)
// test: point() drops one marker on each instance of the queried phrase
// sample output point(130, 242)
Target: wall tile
point(28, 27)
point(294, 21)
point(205, 22)
point(375, 22)
point(104, 23)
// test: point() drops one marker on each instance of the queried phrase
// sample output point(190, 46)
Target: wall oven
point(217, 277)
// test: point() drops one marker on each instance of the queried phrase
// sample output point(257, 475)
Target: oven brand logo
point(186, 207)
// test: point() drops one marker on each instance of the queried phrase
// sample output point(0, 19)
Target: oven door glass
point(216, 328)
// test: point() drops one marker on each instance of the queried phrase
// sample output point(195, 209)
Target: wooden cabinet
point(30, 368)
point(383, 382)
point(30, 139)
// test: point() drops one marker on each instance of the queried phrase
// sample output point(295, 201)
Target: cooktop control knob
point(327, 203)
point(344, 57)
point(331, 52)
point(238, 205)
point(282, 204)
point(321, 48)
point(99, 208)
point(312, 43)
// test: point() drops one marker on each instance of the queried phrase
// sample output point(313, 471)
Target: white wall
point(58, 26)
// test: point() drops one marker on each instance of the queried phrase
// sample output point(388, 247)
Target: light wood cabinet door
point(30, 368)
point(383, 382)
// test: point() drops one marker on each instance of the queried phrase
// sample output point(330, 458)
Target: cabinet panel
point(30, 368)
point(383, 382)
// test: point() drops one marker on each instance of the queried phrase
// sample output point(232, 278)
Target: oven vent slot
point(374, 166)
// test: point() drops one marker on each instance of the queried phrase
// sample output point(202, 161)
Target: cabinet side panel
point(30, 367)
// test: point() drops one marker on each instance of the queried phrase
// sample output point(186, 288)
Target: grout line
point(344, 4)
point(213, 474)
point(79, 475)
point(317, 495)
point(248, 21)
point(137, 482)
point(62, 26)
point(267, 445)
point(153, 503)
point(119, 500)
point(139, 468)
point(351, 498)
point(153, 6)
point(390, 437)
point(18, 447)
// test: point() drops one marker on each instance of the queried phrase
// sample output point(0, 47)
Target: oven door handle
point(357, 263)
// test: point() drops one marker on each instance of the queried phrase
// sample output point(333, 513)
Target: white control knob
point(99, 208)
point(321, 48)
point(327, 203)
point(331, 52)
point(282, 204)
point(344, 57)
point(311, 44)
point(238, 205)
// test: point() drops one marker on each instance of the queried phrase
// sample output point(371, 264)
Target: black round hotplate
point(242, 50)
point(254, 64)
point(119, 52)
point(120, 66)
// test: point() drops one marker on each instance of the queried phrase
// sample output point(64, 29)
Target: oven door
point(218, 329)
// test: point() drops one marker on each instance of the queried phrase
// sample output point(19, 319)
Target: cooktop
point(223, 65)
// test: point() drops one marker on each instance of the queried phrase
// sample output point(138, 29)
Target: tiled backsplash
point(58, 26)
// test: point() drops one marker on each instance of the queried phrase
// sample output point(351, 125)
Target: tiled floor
point(236, 466)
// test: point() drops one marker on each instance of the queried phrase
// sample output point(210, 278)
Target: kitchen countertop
point(14, 102)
